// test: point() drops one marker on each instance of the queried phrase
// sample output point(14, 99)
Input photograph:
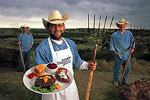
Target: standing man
point(26, 41)
point(62, 51)
point(120, 44)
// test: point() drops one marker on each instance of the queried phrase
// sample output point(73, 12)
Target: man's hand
point(115, 52)
point(31, 46)
point(18, 43)
point(92, 66)
point(131, 50)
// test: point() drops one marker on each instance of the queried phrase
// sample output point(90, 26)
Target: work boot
point(116, 84)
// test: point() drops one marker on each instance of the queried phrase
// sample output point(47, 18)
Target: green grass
point(102, 85)
point(12, 87)
point(11, 84)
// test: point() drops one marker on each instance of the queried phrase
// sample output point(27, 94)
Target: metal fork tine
point(94, 25)
point(99, 24)
point(104, 26)
point(88, 25)
point(111, 22)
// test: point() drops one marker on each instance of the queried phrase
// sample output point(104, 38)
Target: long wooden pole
point(22, 58)
point(91, 76)
point(21, 53)
point(126, 64)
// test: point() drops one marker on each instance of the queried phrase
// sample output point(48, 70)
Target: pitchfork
point(15, 30)
point(91, 71)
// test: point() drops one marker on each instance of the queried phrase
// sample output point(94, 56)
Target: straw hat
point(122, 21)
point(55, 18)
point(25, 26)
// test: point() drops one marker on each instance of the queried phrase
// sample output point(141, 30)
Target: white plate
point(30, 82)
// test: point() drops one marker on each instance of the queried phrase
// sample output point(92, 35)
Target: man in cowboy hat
point(25, 41)
point(120, 44)
point(63, 52)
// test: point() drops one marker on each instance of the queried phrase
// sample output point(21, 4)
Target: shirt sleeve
point(32, 41)
point(39, 58)
point(77, 61)
point(112, 48)
point(84, 66)
point(132, 40)
point(19, 38)
point(42, 55)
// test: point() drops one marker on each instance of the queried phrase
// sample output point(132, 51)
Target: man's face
point(122, 26)
point(56, 30)
point(25, 29)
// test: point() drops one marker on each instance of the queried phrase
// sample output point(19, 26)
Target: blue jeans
point(26, 57)
point(117, 65)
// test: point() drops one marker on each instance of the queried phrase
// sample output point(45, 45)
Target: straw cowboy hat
point(25, 26)
point(122, 21)
point(55, 18)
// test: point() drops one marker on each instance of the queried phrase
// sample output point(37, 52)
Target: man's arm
point(132, 43)
point(112, 48)
point(42, 54)
point(39, 58)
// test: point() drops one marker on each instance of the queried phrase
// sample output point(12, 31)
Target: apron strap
point(52, 48)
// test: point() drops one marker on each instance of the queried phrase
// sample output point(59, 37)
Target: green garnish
point(44, 90)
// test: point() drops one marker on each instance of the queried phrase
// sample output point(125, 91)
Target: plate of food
point(41, 80)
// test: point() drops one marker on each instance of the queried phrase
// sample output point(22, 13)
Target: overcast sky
point(31, 12)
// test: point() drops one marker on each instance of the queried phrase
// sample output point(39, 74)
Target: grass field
point(12, 88)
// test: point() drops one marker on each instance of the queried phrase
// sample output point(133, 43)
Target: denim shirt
point(122, 43)
point(26, 41)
